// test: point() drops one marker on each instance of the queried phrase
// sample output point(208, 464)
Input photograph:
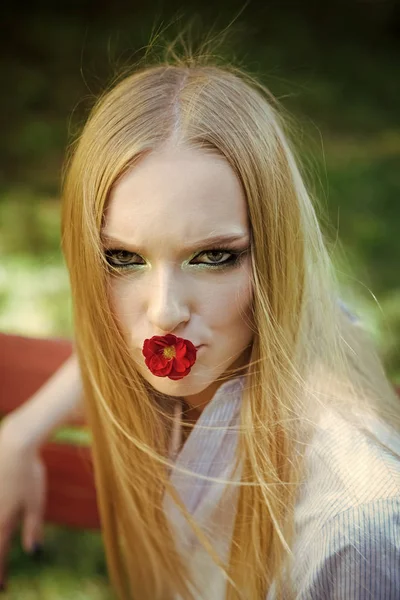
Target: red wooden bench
point(25, 364)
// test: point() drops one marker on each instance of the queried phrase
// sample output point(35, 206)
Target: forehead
point(177, 195)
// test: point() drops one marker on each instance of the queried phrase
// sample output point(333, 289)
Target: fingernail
point(3, 587)
point(37, 550)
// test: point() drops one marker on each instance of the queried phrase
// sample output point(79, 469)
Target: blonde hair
point(307, 357)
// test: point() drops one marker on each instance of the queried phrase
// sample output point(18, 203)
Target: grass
point(72, 566)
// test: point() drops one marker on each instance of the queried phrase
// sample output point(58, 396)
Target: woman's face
point(161, 221)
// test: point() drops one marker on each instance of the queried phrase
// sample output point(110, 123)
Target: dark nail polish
point(37, 551)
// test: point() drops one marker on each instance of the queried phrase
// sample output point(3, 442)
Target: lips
point(169, 356)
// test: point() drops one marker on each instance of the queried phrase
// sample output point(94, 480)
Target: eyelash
point(234, 260)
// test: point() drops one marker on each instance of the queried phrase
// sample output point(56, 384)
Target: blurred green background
point(334, 68)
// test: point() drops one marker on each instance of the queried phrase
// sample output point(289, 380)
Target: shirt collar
point(220, 411)
point(208, 452)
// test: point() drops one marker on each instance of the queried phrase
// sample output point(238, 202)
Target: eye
point(119, 258)
point(218, 254)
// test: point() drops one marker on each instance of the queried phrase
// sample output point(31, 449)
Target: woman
point(240, 419)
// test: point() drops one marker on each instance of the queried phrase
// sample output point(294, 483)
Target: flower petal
point(180, 351)
point(164, 370)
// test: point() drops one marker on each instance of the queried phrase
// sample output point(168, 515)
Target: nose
point(167, 302)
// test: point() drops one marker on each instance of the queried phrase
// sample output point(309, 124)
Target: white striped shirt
point(347, 517)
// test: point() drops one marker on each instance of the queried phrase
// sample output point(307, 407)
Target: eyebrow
point(218, 239)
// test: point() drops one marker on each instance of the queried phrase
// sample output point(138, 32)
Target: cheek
point(122, 303)
point(230, 304)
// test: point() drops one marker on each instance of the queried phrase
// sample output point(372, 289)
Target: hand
point(23, 489)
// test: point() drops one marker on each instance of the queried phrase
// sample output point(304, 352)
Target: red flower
point(169, 356)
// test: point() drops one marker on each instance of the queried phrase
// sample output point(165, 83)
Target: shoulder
point(356, 555)
point(347, 518)
point(349, 313)
point(345, 467)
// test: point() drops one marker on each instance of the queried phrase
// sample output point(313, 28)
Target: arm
point(22, 432)
point(58, 401)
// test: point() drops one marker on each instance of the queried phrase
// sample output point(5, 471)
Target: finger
point(32, 524)
point(32, 531)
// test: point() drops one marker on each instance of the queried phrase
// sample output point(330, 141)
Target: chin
point(188, 385)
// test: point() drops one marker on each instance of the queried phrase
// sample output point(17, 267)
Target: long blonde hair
point(306, 357)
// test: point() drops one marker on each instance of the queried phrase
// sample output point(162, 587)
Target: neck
point(190, 414)
point(195, 404)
